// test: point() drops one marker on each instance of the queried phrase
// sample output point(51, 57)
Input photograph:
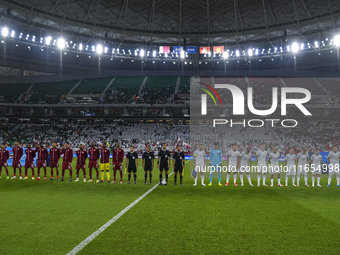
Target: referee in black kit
point(164, 164)
point(178, 164)
point(147, 163)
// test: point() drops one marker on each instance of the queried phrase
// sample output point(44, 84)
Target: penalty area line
point(80, 246)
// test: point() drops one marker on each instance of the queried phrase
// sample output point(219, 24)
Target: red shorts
point(117, 166)
point(80, 166)
point(29, 164)
point(93, 164)
point(16, 164)
point(66, 165)
point(41, 163)
point(3, 163)
point(54, 164)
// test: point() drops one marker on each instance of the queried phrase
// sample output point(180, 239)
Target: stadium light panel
point(142, 53)
point(4, 31)
point(182, 54)
point(105, 50)
point(237, 53)
point(302, 46)
point(225, 55)
point(336, 40)
point(61, 43)
point(99, 49)
point(295, 47)
point(12, 33)
point(257, 52)
point(154, 53)
point(250, 52)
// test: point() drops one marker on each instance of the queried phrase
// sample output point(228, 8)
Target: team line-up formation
point(237, 162)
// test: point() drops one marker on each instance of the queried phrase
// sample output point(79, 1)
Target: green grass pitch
point(43, 217)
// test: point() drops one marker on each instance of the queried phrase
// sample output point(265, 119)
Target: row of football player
point(93, 154)
point(237, 160)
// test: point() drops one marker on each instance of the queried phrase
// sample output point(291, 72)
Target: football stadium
point(169, 127)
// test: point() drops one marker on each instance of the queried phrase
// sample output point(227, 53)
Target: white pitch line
point(80, 246)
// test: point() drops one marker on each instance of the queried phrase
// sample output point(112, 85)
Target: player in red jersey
point(29, 162)
point(117, 161)
point(54, 159)
point(67, 160)
point(93, 160)
point(4, 156)
point(17, 154)
point(81, 161)
point(104, 162)
point(42, 157)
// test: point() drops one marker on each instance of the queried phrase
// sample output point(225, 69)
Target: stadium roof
point(175, 22)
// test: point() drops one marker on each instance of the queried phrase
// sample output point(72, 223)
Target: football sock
point(71, 174)
point(272, 181)
point(160, 177)
point(337, 180)
point(249, 180)
point(258, 179)
point(196, 180)
point(202, 179)
point(293, 179)
point(77, 174)
point(90, 173)
point(241, 178)
point(102, 174)
point(306, 179)
point(166, 177)
point(318, 179)
point(62, 173)
point(313, 179)
point(45, 172)
point(84, 174)
point(108, 175)
point(279, 181)
point(121, 174)
point(135, 177)
point(97, 174)
point(228, 176)
point(175, 178)
point(211, 176)
point(264, 179)
point(219, 177)
point(181, 178)
point(114, 175)
point(145, 176)
point(150, 176)
point(298, 179)
point(129, 177)
point(235, 177)
point(329, 179)
point(286, 179)
point(38, 173)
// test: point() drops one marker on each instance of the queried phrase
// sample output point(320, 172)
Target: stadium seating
point(123, 89)
point(332, 86)
point(92, 86)
point(158, 89)
point(10, 93)
point(50, 92)
point(184, 85)
point(308, 83)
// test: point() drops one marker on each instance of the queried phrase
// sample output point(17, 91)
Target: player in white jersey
point(290, 160)
point(199, 159)
point(244, 161)
point(333, 159)
point(303, 158)
point(316, 162)
point(261, 158)
point(274, 167)
point(232, 162)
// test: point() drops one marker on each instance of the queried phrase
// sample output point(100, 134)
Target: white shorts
point(245, 169)
point(334, 169)
point(262, 168)
point(274, 169)
point(291, 170)
point(302, 169)
point(232, 168)
point(200, 168)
